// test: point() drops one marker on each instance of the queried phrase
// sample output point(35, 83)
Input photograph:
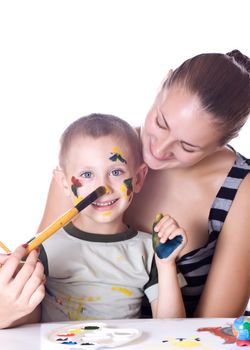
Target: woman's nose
point(162, 147)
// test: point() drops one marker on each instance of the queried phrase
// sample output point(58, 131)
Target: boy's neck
point(89, 226)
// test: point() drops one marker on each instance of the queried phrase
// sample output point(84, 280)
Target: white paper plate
point(91, 335)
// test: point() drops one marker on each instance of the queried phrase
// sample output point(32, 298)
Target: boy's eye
point(116, 172)
point(87, 174)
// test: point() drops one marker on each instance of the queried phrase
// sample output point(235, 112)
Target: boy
point(97, 266)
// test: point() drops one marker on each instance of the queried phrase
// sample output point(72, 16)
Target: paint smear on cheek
point(76, 183)
point(127, 188)
point(117, 155)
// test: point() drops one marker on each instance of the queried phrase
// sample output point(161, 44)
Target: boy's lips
point(104, 204)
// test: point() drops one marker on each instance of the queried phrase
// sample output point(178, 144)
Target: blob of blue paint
point(69, 342)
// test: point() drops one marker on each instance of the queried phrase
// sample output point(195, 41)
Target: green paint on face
point(76, 183)
point(129, 185)
point(117, 155)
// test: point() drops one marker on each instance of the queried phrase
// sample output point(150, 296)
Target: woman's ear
point(60, 178)
point(140, 177)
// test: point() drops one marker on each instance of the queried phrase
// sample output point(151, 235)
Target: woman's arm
point(227, 289)
point(57, 203)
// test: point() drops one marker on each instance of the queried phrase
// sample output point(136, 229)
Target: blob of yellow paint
point(123, 189)
point(122, 290)
point(107, 213)
point(108, 189)
point(189, 343)
point(115, 150)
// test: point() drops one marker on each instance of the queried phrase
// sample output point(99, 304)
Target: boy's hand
point(21, 285)
point(168, 237)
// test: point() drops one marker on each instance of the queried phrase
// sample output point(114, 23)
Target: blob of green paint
point(117, 156)
point(91, 328)
point(129, 185)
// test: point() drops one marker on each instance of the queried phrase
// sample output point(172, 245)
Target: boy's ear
point(140, 177)
point(60, 178)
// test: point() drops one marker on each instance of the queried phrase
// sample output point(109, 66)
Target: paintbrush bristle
point(100, 191)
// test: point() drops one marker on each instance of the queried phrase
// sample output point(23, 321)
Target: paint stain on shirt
point(122, 290)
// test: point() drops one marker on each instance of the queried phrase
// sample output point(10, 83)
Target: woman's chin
point(157, 164)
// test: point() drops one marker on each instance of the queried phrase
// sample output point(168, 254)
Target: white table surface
point(154, 332)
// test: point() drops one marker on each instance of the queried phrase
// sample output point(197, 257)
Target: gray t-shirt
point(95, 276)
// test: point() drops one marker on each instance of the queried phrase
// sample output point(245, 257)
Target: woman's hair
point(222, 83)
point(97, 125)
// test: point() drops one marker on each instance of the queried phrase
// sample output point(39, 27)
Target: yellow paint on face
point(108, 189)
point(123, 189)
point(115, 149)
point(122, 290)
point(107, 213)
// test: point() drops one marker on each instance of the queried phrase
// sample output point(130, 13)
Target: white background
point(62, 59)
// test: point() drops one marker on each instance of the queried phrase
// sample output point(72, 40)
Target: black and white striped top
point(195, 265)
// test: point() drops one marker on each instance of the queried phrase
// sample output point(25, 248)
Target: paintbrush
point(65, 218)
point(3, 246)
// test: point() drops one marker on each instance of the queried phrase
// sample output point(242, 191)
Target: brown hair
point(97, 125)
point(222, 83)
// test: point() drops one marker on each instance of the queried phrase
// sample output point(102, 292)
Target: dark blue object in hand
point(163, 250)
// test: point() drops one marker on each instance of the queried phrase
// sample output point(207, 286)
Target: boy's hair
point(97, 125)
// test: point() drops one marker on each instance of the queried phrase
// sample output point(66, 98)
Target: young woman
point(198, 179)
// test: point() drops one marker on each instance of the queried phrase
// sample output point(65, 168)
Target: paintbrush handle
point(51, 229)
point(64, 219)
point(3, 246)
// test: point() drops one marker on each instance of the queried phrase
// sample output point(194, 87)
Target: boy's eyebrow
point(182, 142)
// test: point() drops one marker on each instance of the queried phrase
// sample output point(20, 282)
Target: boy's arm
point(169, 303)
point(21, 288)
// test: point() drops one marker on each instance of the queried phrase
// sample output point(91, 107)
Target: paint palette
point(91, 335)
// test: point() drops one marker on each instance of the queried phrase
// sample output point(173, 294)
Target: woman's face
point(177, 132)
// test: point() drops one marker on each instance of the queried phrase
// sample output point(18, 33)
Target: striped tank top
point(195, 265)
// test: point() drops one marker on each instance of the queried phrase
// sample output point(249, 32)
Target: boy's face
point(104, 161)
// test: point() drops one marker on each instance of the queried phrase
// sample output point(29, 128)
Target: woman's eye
point(116, 172)
point(87, 174)
point(188, 150)
point(160, 123)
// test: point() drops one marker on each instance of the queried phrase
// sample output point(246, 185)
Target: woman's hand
point(21, 285)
